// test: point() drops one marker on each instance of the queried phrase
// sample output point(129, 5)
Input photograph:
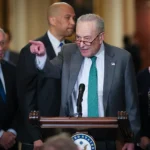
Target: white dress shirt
point(83, 78)
point(55, 43)
point(3, 82)
point(56, 46)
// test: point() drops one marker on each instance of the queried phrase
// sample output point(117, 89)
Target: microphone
point(79, 100)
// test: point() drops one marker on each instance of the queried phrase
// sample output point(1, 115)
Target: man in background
point(43, 94)
point(8, 100)
point(10, 55)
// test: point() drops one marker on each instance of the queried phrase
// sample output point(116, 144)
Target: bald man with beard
point(43, 94)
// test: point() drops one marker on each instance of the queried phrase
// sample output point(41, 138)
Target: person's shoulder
point(26, 48)
point(8, 65)
point(143, 73)
point(117, 51)
point(42, 38)
point(143, 78)
point(14, 53)
point(70, 47)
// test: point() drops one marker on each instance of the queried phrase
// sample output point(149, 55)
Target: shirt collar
point(55, 42)
point(101, 50)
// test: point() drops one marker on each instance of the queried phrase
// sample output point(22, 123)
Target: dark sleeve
point(131, 96)
point(143, 82)
point(135, 52)
point(15, 101)
point(27, 76)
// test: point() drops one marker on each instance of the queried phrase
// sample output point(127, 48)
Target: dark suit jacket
point(11, 56)
point(8, 110)
point(119, 91)
point(42, 94)
point(143, 80)
point(134, 50)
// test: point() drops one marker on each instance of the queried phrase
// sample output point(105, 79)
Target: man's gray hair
point(59, 142)
point(93, 17)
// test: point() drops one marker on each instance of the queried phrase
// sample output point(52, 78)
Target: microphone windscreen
point(81, 87)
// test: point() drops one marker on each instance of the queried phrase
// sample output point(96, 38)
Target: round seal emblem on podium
point(84, 141)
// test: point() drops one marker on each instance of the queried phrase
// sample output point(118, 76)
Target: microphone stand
point(79, 107)
point(80, 99)
point(79, 110)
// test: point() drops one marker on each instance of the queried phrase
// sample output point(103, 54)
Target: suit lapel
point(110, 64)
point(50, 51)
point(75, 65)
point(49, 48)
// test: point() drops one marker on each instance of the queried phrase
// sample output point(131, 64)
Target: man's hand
point(7, 140)
point(144, 142)
point(128, 146)
point(37, 47)
point(38, 144)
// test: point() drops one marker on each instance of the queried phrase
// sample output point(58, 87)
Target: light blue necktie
point(92, 90)
point(2, 92)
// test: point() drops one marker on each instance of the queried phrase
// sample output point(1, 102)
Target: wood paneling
point(4, 13)
point(143, 29)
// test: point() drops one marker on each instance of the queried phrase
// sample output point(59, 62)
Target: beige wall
point(119, 17)
point(129, 17)
point(1, 10)
point(28, 19)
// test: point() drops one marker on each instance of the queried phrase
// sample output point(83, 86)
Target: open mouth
point(83, 49)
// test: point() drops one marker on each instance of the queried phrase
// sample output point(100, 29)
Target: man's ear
point(52, 20)
point(101, 37)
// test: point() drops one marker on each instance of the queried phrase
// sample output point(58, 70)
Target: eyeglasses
point(88, 43)
point(2, 43)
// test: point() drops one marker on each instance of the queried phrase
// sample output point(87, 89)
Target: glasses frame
point(87, 42)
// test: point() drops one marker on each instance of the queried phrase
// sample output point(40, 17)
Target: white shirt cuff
point(40, 61)
point(12, 131)
point(1, 133)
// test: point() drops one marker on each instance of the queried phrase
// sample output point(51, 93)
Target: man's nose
point(72, 21)
point(81, 44)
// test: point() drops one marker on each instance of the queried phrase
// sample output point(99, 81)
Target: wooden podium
point(111, 128)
